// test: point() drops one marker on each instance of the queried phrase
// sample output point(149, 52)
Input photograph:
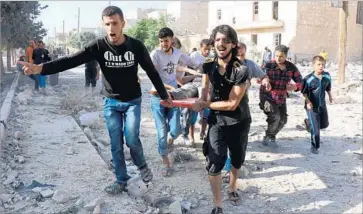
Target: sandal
point(166, 172)
point(146, 174)
point(234, 198)
point(116, 188)
point(217, 210)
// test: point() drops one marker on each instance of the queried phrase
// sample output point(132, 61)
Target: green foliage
point(79, 40)
point(146, 30)
point(18, 23)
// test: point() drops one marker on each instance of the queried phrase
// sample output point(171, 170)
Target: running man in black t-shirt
point(118, 56)
point(229, 119)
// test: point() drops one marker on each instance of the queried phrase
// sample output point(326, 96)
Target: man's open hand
point(29, 68)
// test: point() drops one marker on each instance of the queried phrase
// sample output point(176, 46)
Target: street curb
point(6, 106)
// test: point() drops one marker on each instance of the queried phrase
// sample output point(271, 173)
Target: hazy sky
point(90, 11)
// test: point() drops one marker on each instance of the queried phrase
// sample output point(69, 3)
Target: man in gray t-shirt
point(167, 120)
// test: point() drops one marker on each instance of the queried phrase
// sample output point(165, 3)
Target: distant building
point(306, 27)
point(190, 17)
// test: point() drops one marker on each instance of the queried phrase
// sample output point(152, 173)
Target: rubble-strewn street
point(56, 157)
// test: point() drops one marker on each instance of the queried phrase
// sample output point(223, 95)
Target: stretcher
point(185, 103)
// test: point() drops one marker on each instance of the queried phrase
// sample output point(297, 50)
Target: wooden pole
point(343, 13)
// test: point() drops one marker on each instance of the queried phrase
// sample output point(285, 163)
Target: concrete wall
point(190, 17)
point(192, 41)
point(318, 27)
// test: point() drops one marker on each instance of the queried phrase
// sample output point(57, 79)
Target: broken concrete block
point(90, 206)
point(47, 193)
point(175, 208)
point(61, 197)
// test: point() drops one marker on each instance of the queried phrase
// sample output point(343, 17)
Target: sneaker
point(116, 188)
point(269, 141)
point(146, 174)
point(314, 150)
point(217, 210)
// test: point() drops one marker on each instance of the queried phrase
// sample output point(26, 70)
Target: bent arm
point(235, 97)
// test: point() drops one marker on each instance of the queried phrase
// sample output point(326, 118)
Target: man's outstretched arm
point(64, 63)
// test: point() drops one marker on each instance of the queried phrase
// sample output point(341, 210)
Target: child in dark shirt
point(314, 87)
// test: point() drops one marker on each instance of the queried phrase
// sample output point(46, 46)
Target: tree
point(19, 25)
point(79, 40)
point(146, 30)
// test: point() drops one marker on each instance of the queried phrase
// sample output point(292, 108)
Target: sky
point(90, 12)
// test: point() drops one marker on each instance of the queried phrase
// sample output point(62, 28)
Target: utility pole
point(343, 13)
point(79, 13)
point(64, 38)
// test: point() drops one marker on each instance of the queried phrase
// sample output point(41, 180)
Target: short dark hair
point(205, 42)
point(229, 32)
point(318, 58)
point(40, 42)
point(165, 32)
point(241, 45)
point(112, 10)
point(282, 48)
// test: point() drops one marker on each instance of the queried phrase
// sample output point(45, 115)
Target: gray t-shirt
point(254, 71)
point(166, 64)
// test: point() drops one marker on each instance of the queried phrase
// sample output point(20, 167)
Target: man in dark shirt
point(40, 55)
point(118, 56)
point(273, 102)
point(229, 119)
point(91, 74)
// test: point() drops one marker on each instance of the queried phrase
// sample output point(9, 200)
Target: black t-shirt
point(236, 74)
point(40, 55)
point(119, 65)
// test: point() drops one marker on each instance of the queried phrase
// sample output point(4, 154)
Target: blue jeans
point(123, 120)
point(166, 119)
point(188, 118)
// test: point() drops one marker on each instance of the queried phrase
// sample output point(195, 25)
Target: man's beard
point(227, 55)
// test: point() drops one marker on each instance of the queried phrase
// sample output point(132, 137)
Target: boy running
point(314, 87)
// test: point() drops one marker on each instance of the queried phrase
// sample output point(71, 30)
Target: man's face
point(280, 57)
point(32, 43)
point(166, 43)
point(241, 53)
point(175, 43)
point(113, 26)
point(223, 46)
point(318, 66)
point(205, 49)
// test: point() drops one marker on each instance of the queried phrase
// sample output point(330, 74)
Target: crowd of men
point(220, 80)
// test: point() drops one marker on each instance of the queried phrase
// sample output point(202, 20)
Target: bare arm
point(188, 70)
point(205, 87)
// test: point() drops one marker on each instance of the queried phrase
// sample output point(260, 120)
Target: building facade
point(306, 27)
point(190, 17)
